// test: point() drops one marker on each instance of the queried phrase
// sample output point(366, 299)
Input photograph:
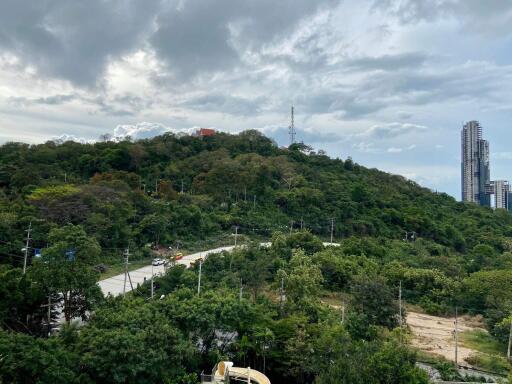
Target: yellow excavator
point(224, 372)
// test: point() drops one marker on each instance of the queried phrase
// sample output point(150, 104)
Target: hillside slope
point(228, 180)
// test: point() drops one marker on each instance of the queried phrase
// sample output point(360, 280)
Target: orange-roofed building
point(205, 132)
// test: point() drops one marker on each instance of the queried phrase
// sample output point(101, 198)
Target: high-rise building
point(476, 173)
point(502, 192)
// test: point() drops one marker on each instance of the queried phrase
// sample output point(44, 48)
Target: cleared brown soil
point(434, 334)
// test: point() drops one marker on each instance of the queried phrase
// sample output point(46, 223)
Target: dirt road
point(435, 334)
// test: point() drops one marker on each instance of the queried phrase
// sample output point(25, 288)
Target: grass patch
point(491, 363)
point(117, 269)
point(482, 341)
point(491, 353)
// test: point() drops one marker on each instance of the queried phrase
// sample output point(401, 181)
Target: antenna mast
point(291, 129)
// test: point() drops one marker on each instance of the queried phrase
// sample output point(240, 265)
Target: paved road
point(114, 285)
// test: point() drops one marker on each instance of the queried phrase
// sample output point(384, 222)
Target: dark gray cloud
point(208, 36)
point(73, 40)
point(387, 62)
point(219, 102)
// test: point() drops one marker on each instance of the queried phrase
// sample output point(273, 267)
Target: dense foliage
point(86, 203)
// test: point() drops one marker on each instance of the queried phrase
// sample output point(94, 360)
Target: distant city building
point(205, 132)
point(501, 193)
point(476, 175)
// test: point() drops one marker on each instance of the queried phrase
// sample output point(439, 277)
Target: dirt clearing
point(434, 334)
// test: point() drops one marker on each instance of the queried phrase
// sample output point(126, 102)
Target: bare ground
point(435, 335)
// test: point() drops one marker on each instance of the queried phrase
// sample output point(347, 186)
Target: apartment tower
point(476, 173)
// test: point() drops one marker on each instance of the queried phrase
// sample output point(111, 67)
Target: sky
point(386, 82)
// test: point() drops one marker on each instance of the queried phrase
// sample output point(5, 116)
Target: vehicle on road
point(158, 261)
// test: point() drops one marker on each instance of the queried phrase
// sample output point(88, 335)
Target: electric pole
point(400, 309)
point(456, 337)
point(199, 278)
point(343, 312)
point(281, 294)
point(126, 273)
point(332, 229)
point(241, 289)
point(152, 286)
point(509, 340)
point(236, 234)
point(291, 227)
point(26, 247)
point(49, 305)
point(301, 224)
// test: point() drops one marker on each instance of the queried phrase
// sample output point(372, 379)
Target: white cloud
point(146, 130)
point(400, 150)
point(393, 130)
point(67, 137)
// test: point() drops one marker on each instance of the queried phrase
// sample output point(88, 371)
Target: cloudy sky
point(388, 82)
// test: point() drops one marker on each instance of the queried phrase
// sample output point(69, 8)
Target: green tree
point(66, 268)
point(302, 279)
point(376, 301)
point(26, 359)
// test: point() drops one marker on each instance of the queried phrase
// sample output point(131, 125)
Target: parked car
point(158, 261)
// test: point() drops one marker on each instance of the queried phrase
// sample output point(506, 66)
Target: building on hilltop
point(476, 173)
point(205, 132)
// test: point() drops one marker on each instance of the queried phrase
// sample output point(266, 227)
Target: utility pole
point(26, 247)
point(291, 227)
point(49, 305)
point(301, 224)
point(49, 314)
point(236, 234)
point(509, 340)
point(156, 186)
point(343, 312)
point(241, 289)
point(456, 337)
point(199, 279)
point(332, 229)
point(400, 309)
point(152, 286)
point(281, 294)
point(126, 273)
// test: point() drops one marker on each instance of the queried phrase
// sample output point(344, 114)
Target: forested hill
point(276, 308)
point(128, 192)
